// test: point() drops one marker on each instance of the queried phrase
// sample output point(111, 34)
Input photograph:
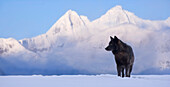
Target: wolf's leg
point(131, 66)
point(127, 71)
point(122, 72)
point(119, 70)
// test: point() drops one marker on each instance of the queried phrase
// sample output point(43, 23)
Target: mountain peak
point(114, 16)
point(68, 23)
point(71, 12)
point(118, 7)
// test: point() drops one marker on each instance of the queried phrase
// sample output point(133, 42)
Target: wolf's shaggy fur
point(124, 56)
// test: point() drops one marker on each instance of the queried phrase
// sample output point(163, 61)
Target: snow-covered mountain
point(70, 25)
point(11, 47)
point(75, 45)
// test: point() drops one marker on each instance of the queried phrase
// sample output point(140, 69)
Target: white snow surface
point(75, 45)
point(85, 81)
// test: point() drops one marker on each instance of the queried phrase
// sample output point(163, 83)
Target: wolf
point(124, 56)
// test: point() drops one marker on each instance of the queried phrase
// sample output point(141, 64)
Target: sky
point(21, 19)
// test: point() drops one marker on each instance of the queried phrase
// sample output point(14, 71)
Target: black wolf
point(124, 56)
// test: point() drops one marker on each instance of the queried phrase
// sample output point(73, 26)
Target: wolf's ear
point(111, 37)
point(115, 38)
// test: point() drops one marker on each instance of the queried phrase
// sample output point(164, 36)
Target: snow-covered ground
point(85, 81)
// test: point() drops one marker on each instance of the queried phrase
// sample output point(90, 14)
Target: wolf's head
point(113, 44)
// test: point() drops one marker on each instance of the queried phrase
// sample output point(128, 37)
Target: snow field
point(85, 81)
